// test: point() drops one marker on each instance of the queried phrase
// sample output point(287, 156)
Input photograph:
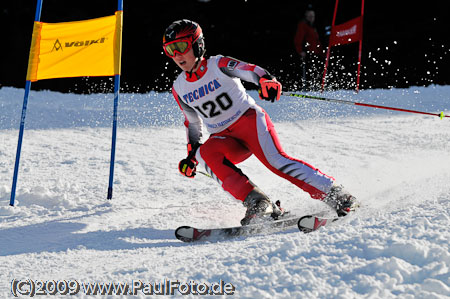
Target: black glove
point(269, 88)
point(187, 166)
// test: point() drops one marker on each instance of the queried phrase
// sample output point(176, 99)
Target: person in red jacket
point(210, 94)
point(309, 48)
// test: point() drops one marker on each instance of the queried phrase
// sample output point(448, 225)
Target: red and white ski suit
point(214, 96)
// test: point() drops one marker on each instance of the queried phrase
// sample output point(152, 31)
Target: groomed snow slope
point(63, 228)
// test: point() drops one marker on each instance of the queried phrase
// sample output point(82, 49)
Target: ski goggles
point(180, 46)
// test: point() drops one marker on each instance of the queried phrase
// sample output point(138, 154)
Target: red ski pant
point(254, 133)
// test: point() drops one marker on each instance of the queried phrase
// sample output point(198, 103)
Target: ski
point(192, 234)
point(313, 222)
point(310, 223)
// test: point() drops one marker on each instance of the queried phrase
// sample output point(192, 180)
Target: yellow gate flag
point(74, 49)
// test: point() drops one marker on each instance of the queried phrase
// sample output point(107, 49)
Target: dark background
point(404, 45)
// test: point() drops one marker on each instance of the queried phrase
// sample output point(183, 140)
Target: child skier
point(209, 92)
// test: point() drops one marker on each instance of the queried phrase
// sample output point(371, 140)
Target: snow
point(63, 227)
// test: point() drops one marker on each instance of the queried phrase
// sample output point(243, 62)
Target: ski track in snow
point(63, 228)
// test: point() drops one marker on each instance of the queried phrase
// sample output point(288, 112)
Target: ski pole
point(304, 96)
point(205, 174)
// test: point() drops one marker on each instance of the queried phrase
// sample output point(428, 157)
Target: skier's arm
point(269, 87)
point(192, 121)
point(242, 70)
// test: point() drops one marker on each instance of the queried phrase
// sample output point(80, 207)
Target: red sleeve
point(243, 70)
point(232, 63)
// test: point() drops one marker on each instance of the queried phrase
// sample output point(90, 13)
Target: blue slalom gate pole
point(19, 143)
point(37, 18)
point(114, 135)
point(114, 129)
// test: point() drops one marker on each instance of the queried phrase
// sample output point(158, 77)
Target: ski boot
point(341, 200)
point(258, 207)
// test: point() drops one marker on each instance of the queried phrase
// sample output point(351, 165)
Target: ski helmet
point(186, 29)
